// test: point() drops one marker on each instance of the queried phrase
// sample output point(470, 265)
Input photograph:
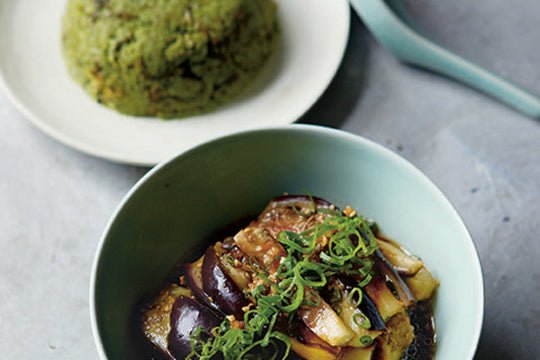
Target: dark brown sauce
point(422, 348)
point(144, 347)
point(423, 345)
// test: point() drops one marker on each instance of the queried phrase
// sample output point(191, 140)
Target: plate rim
point(124, 158)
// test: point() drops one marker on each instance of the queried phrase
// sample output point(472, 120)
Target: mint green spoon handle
point(410, 46)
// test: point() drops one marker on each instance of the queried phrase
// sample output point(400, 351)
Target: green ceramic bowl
point(178, 203)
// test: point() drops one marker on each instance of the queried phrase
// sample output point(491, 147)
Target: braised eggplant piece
point(422, 284)
point(356, 310)
point(299, 201)
point(398, 337)
point(187, 317)
point(292, 213)
point(384, 298)
point(220, 287)
point(321, 319)
point(156, 321)
point(354, 353)
point(193, 280)
point(304, 279)
point(240, 277)
point(367, 306)
point(313, 347)
point(394, 281)
point(259, 245)
point(403, 262)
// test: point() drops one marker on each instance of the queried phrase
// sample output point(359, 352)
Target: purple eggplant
point(367, 306)
point(220, 287)
point(193, 279)
point(299, 200)
point(292, 213)
point(186, 317)
point(394, 280)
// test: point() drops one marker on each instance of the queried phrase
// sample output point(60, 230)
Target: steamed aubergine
point(303, 280)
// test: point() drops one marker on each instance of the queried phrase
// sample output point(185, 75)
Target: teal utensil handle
point(410, 46)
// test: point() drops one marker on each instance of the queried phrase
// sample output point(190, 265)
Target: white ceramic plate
point(314, 36)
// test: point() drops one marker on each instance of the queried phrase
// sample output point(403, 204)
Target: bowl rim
point(306, 129)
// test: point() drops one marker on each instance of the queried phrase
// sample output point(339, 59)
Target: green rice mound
point(167, 58)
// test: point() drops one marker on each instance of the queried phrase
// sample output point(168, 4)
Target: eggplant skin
point(401, 288)
point(290, 213)
point(368, 307)
point(285, 200)
point(186, 316)
point(193, 279)
point(219, 286)
point(156, 321)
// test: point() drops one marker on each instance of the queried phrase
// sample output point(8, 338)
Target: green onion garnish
point(297, 282)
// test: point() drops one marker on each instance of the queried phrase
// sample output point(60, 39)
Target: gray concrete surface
point(484, 156)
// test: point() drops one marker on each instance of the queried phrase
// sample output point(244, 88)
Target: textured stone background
point(484, 156)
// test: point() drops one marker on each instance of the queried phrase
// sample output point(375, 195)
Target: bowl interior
point(179, 203)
